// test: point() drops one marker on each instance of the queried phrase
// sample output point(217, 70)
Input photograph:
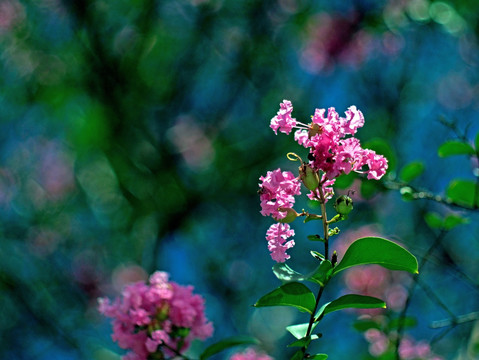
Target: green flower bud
point(343, 205)
point(291, 215)
point(308, 176)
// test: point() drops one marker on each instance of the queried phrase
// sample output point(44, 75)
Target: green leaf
point(284, 273)
point(299, 330)
point(291, 294)
point(476, 142)
point(364, 325)
point(455, 147)
point(322, 273)
point(376, 250)
point(453, 220)
point(298, 355)
point(411, 171)
point(318, 357)
point(351, 301)
point(462, 192)
point(227, 343)
point(304, 341)
point(317, 255)
point(433, 220)
point(319, 276)
point(315, 238)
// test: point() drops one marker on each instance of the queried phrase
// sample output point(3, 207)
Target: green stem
point(324, 218)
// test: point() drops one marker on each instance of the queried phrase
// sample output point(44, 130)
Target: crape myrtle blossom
point(277, 191)
point(333, 151)
point(277, 245)
point(283, 120)
point(381, 344)
point(327, 186)
point(158, 317)
point(330, 150)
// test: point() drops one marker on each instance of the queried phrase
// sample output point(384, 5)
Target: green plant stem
point(324, 218)
point(176, 352)
point(325, 222)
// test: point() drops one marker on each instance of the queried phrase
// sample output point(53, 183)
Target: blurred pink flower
point(156, 317)
point(250, 354)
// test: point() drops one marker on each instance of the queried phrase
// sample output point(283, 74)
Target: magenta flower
point(277, 245)
point(332, 152)
point(283, 120)
point(327, 186)
point(159, 317)
point(277, 191)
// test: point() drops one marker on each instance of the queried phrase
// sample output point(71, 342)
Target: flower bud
point(343, 205)
point(308, 176)
point(334, 258)
point(291, 215)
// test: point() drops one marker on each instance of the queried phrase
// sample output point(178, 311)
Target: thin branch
point(460, 319)
point(412, 287)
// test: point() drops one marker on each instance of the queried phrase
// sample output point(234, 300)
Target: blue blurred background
point(134, 132)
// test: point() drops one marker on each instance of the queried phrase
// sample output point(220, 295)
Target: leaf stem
point(324, 218)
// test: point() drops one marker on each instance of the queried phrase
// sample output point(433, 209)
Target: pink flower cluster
point(332, 152)
point(250, 354)
point(277, 191)
point(158, 317)
point(376, 281)
point(283, 120)
point(380, 343)
point(277, 245)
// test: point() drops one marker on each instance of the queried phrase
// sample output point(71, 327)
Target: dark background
point(134, 132)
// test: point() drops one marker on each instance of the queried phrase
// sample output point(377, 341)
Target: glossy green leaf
point(299, 330)
point(318, 357)
point(319, 276)
point(291, 294)
point(322, 273)
point(462, 192)
point(376, 250)
point(315, 238)
point(455, 147)
point(433, 220)
point(317, 255)
point(298, 355)
point(284, 273)
point(411, 171)
point(451, 221)
point(304, 341)
point(351, 301)
point(226, 344)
